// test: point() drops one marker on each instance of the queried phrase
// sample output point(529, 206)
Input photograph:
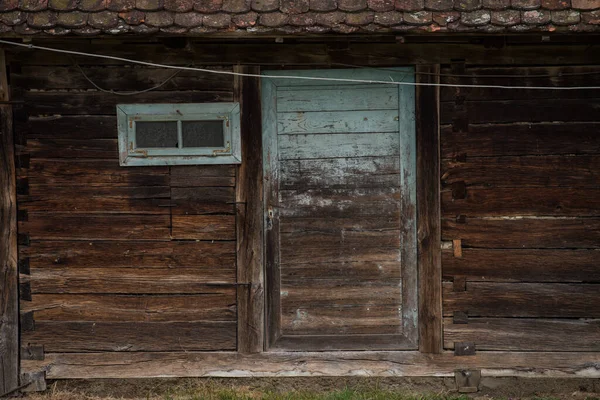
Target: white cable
point(308, 78)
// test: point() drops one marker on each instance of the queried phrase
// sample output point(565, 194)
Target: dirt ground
point(316, 388)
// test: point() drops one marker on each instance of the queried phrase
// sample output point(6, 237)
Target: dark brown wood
point(213, 304)
point(346, 342)
point(555, 201)
point(525, 232)
point(202, 175)
point(546, 138)
point(68, 127)
point(465, 349)
point(49, 226)
point(9, 296)
point(72, 148)
point(203, 227)
point(210, 256)
point(524, 265)
point(428, 212)
point(544, 300)
point(133, 336)
point(249, 217)
point(510, 334)
point(202, 200)
point(529, 110)
point(531, 171)
point(128, 280)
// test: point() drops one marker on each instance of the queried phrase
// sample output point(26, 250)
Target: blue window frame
point(179, 134)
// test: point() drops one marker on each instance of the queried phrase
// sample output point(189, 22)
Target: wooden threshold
point(287, 364)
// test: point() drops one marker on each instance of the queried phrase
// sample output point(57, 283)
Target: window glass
point(203, 134)
point(156, 134)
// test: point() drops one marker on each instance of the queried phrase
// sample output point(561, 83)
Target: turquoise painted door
point(340, 211)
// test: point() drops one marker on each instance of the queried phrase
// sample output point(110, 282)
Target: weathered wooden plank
point(65, 127)
point(127, 254)
point(214, 303)
point(202, 175)
point(562, 76)
point(347, 272)
point(573, 171)
point(202, 200)
point(374, 223)
point(128, 280)
point(336, 363)
point(99, 103)
point(334, 98)
point(546, 265)
point(545, 300)
point(351, 74)
point(428, 212)
point(119, 78)
point(203, 227)
point(493, 140)
point(49, 226)
point(553, 201)
point(362, 172)
point(509, 334)
point(87, 199)
point(366, 319)
point(529, 110)
point(340, 246)
point(294, 147)
point(322, 122)
point(93, 173)
point(9, 295)
point(305, 296)
point(249, 218)
point(332, 203)
point(71, 148)
point(133, 336)
point(346, 342)
point(524, 232)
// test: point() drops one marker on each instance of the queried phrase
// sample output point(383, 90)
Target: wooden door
point(340, 210)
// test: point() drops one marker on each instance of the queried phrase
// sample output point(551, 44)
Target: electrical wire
point(295, 77)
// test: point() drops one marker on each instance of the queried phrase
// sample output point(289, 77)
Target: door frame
point(408, 339)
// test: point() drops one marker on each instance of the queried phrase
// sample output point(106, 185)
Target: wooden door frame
point(410, 334)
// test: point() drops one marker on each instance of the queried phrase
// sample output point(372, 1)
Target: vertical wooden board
point(9, 297)
point(428, 212)
point(249, 219)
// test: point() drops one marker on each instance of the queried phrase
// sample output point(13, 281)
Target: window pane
point(156, 134)
point(203, 134)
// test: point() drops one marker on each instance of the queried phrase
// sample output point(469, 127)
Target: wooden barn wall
point(521, 200)
point(117, 258)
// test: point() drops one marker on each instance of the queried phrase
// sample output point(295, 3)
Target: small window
point(172, 134)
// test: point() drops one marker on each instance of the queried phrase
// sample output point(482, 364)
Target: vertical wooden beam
point(249, 221)
point(9, 296)
point(428, 210)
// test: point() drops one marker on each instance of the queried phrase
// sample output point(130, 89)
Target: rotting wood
point(428, 213)
point(525, 232)
point(57, 336)
point(520, 334)
point(279, 364)
point(542, 300)
point(249, 217)
point(9, 296)
point(523, 265)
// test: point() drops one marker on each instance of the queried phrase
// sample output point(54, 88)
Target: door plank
point(364, 121)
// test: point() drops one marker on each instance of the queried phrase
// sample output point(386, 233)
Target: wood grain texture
point(249, 218)
point(59, 336)
point(542, 300)
point(213, 304)
point(546, 138)
point(322, 122)
point(280, 364)
point(202, 175)
point(202, 200)
point(72, 148)
point(509, 334)
point(332, 98)
point(528, 171)
point(525, 232)
point(9, 296)
point(428, 213)
point(203, 227)
point(68, 127)
point(528, 265)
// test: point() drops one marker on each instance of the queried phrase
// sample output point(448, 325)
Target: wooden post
point(9, 296)
point(428, 211)
point(249, 193)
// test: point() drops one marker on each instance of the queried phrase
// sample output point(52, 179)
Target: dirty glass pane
point(203, 134)
point(156, 134)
